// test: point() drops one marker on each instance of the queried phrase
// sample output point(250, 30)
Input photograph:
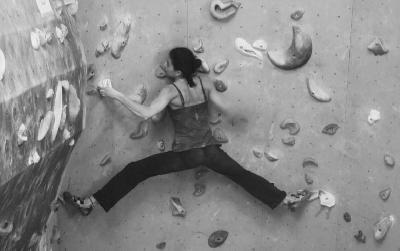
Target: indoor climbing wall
point(324, 120)
point(42, 79)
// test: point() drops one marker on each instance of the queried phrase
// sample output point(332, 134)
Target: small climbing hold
point(389, 160)
point(199, 48)
point(161, 145)
point(105, 160)
point(2, 64)
point(374, 116)
point(50, 93)
point(221, 66)
point(74, 104)
point(204, 68)
point(347, 217)
point(377, 47)
point(102, 48)
point(221, 10)
point(260, 44)
point(385, 193)
point(289, 140)
point(72, 142)
point(217, 238)
point(22, 134)
point(309, 180)
point(257, 153)
point(66, 134)
point(35, 40)
point(291, 125)
point(296, 55)
point(326, 199)
point(382, 227)
point(360, 236)
point(141, 130)
point(201, 172)
point(44, 126)
point(310, 162)
point(199, 189)
point(121, 36)
point(271, 156)
point(34, 157)
point(6, 227)
point(159, 72)
point(220, 135)
point(57, 111)
point(220, 85)
point(297, 15)
point(91, 72)
point(161, 245)
point(317, 92)
point(246, 49)
point(61, 32)
point(176, 207)
point(103, 24)
point(330, 129)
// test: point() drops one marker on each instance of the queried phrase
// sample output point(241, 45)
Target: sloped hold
point(57, 111)
point(141, 131)
point(326, 199)
point(382, 227)
point(217, 238)
point(374, 116)
point(221, 10)
point(271, 156)
point(6, 227)
point(2, 64)
point(74, 104)
point(221, 66)
point(316, 91)
point(220, 85)
point(257, 153)
point(161, 145)
point(289, 140)
point(330, 129)
point(260, 44)
point(296, 55)
point(176, 207)
point(389, 160)
point(121, 37)
point(199, 189)
point(159, 72)
point(105, 160)
point(61, 33)
point(385, 193)
point(291, 125)
point(220, 135)
point(22, 136)
point(102, 48)
point(377, 47)
point(246, 49)
point(310, 163)
point(297, 15)
point(45, 125)
point(204, 68)
point(199, 48)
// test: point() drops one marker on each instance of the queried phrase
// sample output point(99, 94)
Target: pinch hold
point(176, 207)
point(291, 125)
point(221, 10)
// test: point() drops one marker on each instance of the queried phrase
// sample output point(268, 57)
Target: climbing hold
point(217, 238)
point(66, 134)
point(176, 207)
point(161, 245)
point(65, 85)
point(74, 104)
point(297, 15)
point(103, 23)
point(91, 72)
point(161, 145)
point(382, 227)
point(140, 94)
point(57, 111)
point(310, 162)
point(260, 44)
point(385, 193)
point(201, 172)
point(313, 195)
point(220, 135)
point(389, 160)
point(246, 49)
point(330, 129)
point(316, 91)
point(44, 126)
point(374, 116)
point(121, 36)
point(257, 153)
point(101, 48)
point(271, 156)
point(50, 94)
point(199, 48)
point(296, 55)
point(159, 72)
point(204, 68)
point(105, 160)
point(141, 130)
point(72, 142)
point(326, 199)
point(6, 227)
point(291, 125)
point(221, 10)
point(360, 237)
point(221, 66)
point(34, 157)
point(63, 117)
point(61, 32)
point(2, 64)
point(377, 47)
point(220, 85)
point(22, 134)
point(309, 180)
point(199, 189)
point(35, 40)
point(289, 140)
point(347, 217)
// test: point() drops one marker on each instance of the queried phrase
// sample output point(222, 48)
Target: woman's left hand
point(107, 92)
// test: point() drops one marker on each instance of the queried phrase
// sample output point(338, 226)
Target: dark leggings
point(212, 157)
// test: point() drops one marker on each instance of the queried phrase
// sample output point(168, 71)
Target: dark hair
point(184, 60)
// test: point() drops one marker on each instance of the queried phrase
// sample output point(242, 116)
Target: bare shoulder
point(207, 82)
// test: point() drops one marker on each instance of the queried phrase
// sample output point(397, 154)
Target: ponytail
point(184, 60)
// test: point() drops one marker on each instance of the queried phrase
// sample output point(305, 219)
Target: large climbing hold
point(382, 227)
point(246, 49)
point(121, 36)
point(296, 55)
point(221, 10)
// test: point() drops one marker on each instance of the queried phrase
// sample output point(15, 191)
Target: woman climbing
point(186, 99)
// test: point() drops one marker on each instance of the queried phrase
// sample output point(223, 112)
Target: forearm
point(132, 106)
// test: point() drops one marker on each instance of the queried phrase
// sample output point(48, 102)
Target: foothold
point(199, 189)
point(377, 47)
point(217, 238)
point(34, 157)
point(201, 172)
point(57, 111)
point(385, 193)
point(330, 129)
point(317, 92)
point(296, 55)
point(297, 15)
point(389, 160)
point(141, 131)
point(199, 48)
point(22, 134)
point(105, 160)
point(74, 104)
point(161, 145)
point(220, 135)
point(326, 199)
point(6, 227)
point(382, 227)
point(360, 237)
point(309, 180)
point(221, 10)
point(2, 64)
point(347, 217)
point(289, 140)
point(161, 245)
point(50, 93)
point(220, 85)
point(221, 66)
point(103, 23)
point(91, 72)
point(291, 125)
point(61, 33)
point(257, 153)
point(310, 162)
point(374, 116)
point(44, 126)
point(260, 44)
point(102, 48)
point(121, 37)
point(35, 40)
point(159, 72)
point(271, 156)
point(204, 68)
point(140, 94)
point(176, 207)
point(246, 49)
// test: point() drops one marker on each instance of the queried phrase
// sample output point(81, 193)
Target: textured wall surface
point(350, 162)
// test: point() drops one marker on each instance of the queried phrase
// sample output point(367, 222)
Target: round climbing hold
point(347, 217)
point(217, 238)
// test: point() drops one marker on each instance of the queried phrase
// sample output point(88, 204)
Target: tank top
point(191, 125)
